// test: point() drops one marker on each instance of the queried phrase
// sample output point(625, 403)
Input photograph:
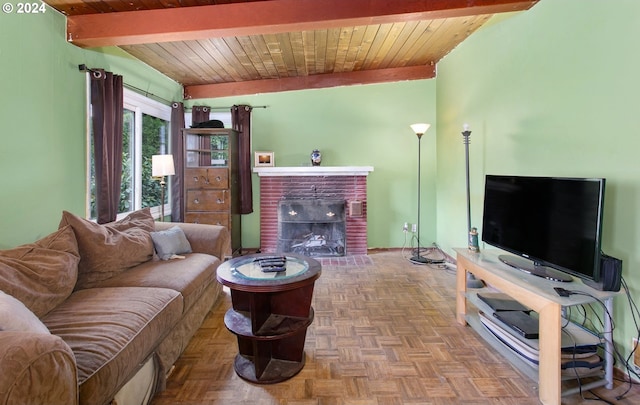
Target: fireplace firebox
point(312, 227)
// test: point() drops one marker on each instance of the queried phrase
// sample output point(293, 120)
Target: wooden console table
point(538, 294)
point(270, 315)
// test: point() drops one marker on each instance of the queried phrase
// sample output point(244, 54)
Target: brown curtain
point(201, 114)
point(106, 116)
point(241, 122)
point(177, 149)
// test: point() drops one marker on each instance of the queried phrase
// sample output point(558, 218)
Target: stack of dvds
point(516, 327)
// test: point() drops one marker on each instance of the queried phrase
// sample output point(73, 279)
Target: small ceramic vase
point(316, 157)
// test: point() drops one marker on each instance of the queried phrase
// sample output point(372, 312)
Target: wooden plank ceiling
point(218, 48)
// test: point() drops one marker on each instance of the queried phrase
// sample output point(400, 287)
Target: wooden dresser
point(210, 192)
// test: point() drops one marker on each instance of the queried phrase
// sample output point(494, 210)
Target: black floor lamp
point(472, 281)
point(419, 129)
point(465, 139)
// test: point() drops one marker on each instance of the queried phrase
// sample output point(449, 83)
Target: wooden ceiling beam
point(309, 82)
point(265, 17)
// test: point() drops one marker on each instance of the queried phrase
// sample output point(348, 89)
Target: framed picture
point(264, 159)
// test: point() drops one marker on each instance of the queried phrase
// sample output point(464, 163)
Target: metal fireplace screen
point(313, 227)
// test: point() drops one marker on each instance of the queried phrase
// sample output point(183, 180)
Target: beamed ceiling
point(218, 48)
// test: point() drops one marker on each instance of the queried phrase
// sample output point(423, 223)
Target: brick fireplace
point(346, 183)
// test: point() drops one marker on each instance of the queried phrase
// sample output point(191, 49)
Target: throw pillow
point(14, 316)
point(109, 249)
point(41, 274)
point(171, 242)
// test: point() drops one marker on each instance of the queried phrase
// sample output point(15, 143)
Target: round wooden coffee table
point(270, 314)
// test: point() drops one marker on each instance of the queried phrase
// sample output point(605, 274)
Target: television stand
point(534, 268)
point(538, 294)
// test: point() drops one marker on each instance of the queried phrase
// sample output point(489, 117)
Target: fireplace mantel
point(313, 171)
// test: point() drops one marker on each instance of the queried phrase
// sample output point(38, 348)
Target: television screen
point(553, 223)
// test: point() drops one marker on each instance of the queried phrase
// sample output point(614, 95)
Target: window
point(146, 126)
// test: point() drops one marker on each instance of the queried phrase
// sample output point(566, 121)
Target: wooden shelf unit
point(210, 187)
point(538, 294)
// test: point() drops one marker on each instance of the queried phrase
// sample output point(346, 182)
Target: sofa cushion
point(189, 276)
point(41, 274)
point(170, 242)
point(106, 250)
point(203, 238)
point(111, 331)
point(14, 316)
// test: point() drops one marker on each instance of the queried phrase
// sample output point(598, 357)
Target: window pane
point(154, 142)
point(127, 197)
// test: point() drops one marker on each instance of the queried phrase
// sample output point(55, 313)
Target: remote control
point(562, 292)
point(267, 258)
point(273, 269)
point(272, 263)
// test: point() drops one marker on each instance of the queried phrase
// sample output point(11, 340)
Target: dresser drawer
point(211, 218)
point(207, 200)
point(206, 178)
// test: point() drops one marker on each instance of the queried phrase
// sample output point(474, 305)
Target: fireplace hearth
point(311, 227)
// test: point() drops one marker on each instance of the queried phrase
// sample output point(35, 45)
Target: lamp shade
point(420, 129)
point(162, 165)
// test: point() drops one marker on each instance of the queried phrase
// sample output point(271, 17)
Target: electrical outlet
point(405, 227)
point(414, 228)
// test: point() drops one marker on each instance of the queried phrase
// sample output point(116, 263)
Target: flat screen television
point(551, 225)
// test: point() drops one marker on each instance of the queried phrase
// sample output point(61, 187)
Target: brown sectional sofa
point(114, 317)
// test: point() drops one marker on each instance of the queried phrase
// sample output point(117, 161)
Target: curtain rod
point(84, 68)
point(222, 108)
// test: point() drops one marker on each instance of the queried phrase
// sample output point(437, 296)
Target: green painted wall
point(42, 120)
point(551, 91)
point(354, 126)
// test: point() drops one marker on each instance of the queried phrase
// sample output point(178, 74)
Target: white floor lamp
point(161, 166)
point(419, 129)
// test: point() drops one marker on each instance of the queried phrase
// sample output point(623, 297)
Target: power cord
point(424, 252)
point(618, 356)
point(635, 314)
point(417, 251)
point(574, 360)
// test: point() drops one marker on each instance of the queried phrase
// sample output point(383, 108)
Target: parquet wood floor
point(383, 334)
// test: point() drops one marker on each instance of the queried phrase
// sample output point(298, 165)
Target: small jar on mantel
point(316, 157)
